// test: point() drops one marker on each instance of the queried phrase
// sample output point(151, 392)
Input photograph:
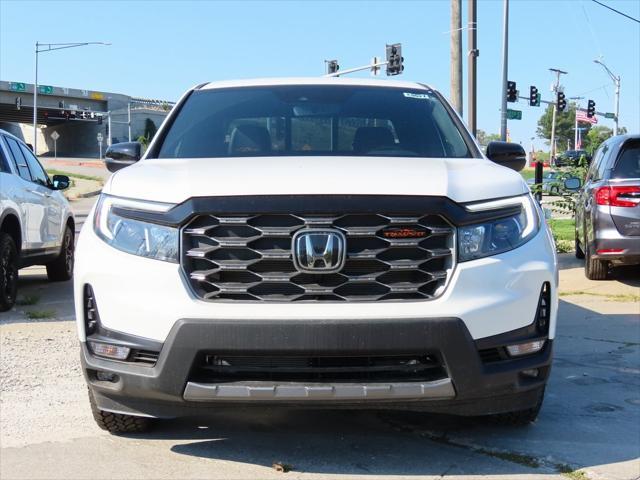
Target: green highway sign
point(609, 115)
point(17, 87)
point(45, 89)
point(514, 114)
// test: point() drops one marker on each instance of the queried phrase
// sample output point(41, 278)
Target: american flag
point(582, 117)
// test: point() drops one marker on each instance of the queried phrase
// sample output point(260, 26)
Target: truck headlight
point(134, 236)
point(501, 235)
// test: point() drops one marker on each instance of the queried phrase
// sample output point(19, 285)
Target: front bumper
point(470, 385)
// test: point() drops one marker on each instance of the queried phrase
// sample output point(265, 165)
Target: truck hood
point(176, 180)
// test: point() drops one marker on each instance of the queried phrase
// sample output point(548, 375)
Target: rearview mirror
point(120, 155)
point(572, 184)
point(60, 182)
point(510, 155)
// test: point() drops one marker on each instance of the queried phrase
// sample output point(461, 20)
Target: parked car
point(315, 242)
point(570, 158)
point(36, 223)
point(552, 182)
point(608, 208)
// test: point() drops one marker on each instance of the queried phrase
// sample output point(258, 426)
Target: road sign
point(17, 87)
point(99, 137)
point(45, 89)
point(609, 115)
point(514, 114)
point(55, 136)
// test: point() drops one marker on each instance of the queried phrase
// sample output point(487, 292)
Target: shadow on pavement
point(589, 420)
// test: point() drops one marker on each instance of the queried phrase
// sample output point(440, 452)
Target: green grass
point(53, 172)
point(615, 297)
point(40, 314)
point(528, 173)
point(28, 300)
point(563, 229)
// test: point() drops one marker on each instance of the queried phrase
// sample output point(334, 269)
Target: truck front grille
point(249, 257)
point(211, 368)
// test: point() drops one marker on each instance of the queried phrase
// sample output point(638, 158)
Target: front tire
point(519, 418)
point(118, 423)
point(579, 251)
point(61, 269)
point(8, 272)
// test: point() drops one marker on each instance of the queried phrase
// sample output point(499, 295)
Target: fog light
point(106, 377)
point(110, 351)
point(531, 372)
point(525, 348)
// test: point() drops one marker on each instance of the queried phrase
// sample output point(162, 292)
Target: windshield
point(313, 120)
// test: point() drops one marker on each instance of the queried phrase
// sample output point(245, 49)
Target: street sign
point(99, 137)
point(609, 115)
point(514, 114)
point(17, 87)
point(55, 136)
point(45, 89)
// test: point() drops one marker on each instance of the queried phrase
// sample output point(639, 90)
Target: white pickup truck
point(315, 242)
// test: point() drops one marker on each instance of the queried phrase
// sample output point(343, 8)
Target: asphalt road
point(590, 420)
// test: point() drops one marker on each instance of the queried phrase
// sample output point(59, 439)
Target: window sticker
point(421, 96)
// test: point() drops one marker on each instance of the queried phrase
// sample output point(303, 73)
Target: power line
point(617, 11)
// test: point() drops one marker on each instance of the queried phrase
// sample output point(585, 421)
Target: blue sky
point(161, 48)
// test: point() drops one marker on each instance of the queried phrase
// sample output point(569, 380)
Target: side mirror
point(510, 155)
point(61, 182)
point(572, 184)
point(120, 155)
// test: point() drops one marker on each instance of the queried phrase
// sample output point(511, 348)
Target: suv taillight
point(618, 196)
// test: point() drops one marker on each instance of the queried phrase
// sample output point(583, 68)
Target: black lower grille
point(249, 257)
point(211, 368)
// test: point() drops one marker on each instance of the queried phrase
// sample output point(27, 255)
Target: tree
point(484, 138)
point(597, 135)
point(565, 122)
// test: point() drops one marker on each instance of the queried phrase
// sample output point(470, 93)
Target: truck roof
point(354, 81)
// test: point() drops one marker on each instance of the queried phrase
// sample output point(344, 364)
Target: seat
point(249, 139)
point(372, 138)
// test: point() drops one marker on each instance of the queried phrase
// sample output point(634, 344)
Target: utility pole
point(552, 153)
point(505, 69)
point(456, 55)
point(473, 55)
point(616, 82)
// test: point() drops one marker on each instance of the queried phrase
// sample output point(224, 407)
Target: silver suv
point(608, 208)
point(36, 223)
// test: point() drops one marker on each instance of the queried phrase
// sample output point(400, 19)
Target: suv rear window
point(628, 163)
point(313, 120)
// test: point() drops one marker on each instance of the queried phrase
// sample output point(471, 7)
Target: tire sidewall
point(8, 271)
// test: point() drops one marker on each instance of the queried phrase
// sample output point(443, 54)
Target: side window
point(18, 158)
point(592, 174)
point(4, 162)
point(603, 164)
point(37, 172)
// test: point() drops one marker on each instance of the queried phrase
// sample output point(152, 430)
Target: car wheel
point(519, 418)
point(595, 269)
point(61, 269)
point(579, 251)
point(8, 272)
point(118, 423)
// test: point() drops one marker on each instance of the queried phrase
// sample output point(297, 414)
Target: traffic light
point(18, 103)
point(46, 116)
point(99, 119)
point(332, 66)
point(534, 96)
point(512, 93)
point(66, 115)
point(591, 108)
point(394, 59)
point(561, 103)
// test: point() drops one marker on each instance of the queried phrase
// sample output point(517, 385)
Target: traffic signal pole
point(505, 69)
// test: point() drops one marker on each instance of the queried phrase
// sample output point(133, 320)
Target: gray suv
point(608, 208)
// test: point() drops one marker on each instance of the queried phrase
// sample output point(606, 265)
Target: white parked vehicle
point(36, 223)
point(335, 242)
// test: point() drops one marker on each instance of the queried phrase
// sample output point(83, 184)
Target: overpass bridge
point(76, 115)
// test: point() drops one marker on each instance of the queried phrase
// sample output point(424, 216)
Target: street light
point(616, 82)
point(48, 47)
